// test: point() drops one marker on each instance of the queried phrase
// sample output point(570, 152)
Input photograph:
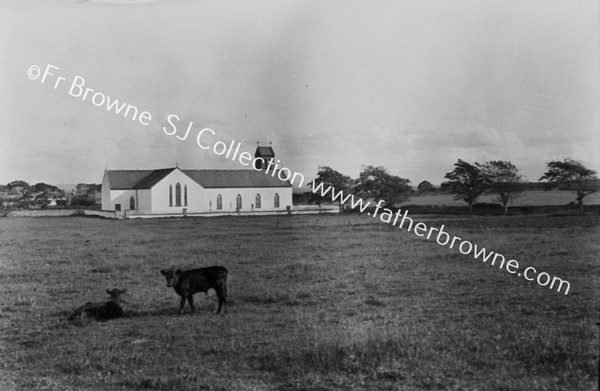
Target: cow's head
point(172, 276)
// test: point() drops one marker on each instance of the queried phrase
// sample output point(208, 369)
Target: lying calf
point(188, 282)
point(104, 310)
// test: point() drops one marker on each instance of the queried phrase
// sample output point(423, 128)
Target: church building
point(175, 191)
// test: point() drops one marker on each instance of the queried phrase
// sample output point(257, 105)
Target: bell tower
point(262, 156)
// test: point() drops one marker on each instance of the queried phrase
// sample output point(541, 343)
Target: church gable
point(172, 177)
point(153, 178)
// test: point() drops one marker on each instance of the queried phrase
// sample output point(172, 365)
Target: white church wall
point(144, 200)
point(106, 205)
point(160, 194)
point(121, 197)
point(248, 198)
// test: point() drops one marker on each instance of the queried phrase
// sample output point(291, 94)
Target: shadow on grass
point(204, 308)
point(166, 311)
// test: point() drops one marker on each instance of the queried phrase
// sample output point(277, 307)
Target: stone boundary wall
point(315, 209)
point(109, 214)
point(297, 210)
point(61, 213)
point(45, 213)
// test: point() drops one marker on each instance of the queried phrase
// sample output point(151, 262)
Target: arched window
point(170, 195)
point(184, 195)
point(219, 202)
point(238, 202)
point(276, 200)
point(131, 203)
point(177, 194)
point(257, 202)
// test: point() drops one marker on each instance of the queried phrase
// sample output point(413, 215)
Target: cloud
point(473, 136)
point(399, 84)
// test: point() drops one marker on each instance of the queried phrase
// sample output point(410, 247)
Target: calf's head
point(115, 294)
point(172, 276)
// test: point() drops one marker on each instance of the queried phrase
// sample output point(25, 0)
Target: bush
point(82, 201)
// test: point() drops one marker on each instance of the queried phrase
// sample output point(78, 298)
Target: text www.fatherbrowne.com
point(401, 220)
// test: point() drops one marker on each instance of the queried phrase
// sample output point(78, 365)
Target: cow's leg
point(191, 302)
point(222, 296)
point(181, 304)
point(224, 285)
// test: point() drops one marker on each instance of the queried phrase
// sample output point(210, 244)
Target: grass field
point(317, 303)
point(527, 198)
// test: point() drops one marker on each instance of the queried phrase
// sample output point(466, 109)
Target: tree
point(43, 199)
point(445, 187)
point(503, 179)
point(41, 187)
point(330, 177)
point(19, 185)
point(573, 174)
point(377, 183)
point(25, 201)
point(85, 194)
point(467, 182)
point(82, 189)
point(425, 187)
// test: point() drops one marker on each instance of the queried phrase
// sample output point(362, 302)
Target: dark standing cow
point(188, 282)
point(104, 310)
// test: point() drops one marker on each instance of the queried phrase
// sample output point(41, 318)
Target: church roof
point(146, 179)
point(126, 179)
point(235, 178)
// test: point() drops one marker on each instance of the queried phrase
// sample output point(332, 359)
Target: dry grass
point(318, 303)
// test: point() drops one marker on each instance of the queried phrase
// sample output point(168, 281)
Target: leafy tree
point(82, 201)
point(445, 187)
point(467, 182)
point(87, 189)
point(573, 174)
point(41, 187)
point(301, 198)
point(81, 189)
point(377, 183)
point(425, 187)
point(85, 194)
point(19, 185)
point(330, 177)
point(503, 179)
point(43, 199)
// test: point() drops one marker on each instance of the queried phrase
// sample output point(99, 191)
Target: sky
point(410, 85)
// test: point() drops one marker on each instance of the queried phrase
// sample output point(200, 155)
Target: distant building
point(176, 191)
